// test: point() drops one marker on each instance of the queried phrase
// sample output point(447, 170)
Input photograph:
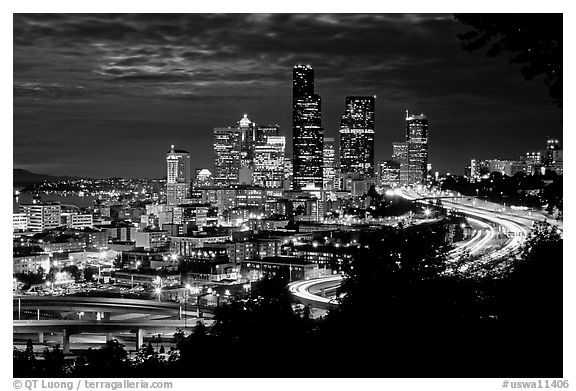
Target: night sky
point(106, 95)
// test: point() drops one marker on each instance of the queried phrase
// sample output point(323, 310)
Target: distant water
point(81, 202)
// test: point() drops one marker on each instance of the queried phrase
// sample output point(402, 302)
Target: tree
point(29, 352)
point(74, 272)
point(89, 273)
point(111, 359)
point(118, 262)
point(532, 40)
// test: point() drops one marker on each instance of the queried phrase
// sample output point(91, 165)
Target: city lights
point(197, 195)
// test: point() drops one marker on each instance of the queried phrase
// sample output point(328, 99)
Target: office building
point(19, 222)
point(329, 175)
point(533, 162)
point(151, 238)
point(357, 136)
point(178, 166)
point(388, 173)
point(177, 193)
point(77, 221)
point(400, 156)
point(552, 145)
point(554, 157)
point(42, 216)
point(263, 131)
point(269, 162)
point(203, 178)
point(417, 138)
point(247, 130)
point(308, 134)
point(227, 147)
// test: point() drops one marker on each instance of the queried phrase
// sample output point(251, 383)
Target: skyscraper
point(269, 162)
point(388, 173)
point(308, 135)
point(248, 136)
point(178, 166)
point(400, 156)
point(417, 138)
point(227, 147)
point(329, 171)
point(177, 175)
point(263, 131)
point(357, 136)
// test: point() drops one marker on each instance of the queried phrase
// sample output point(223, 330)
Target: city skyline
point(159, 92)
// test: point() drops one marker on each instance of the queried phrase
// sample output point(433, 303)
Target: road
point(484, 251)
point(513, 225)
point(309, 292)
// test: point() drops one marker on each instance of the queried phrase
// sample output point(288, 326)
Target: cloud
point(198, 71)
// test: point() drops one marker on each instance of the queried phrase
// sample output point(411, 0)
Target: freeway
point(310, 292)
point(514, 225)
point(493, 222)
point(95, 304)
point(87, 326)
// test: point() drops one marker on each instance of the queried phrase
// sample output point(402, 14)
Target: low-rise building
point(19, 222)
point(151, 238)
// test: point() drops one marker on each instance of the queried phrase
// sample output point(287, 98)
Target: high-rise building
point(417, 138)
point(288, 173)
point(533, 162)
point(552, 144)
point(178, 166)
point(177, 193)
point(400, 156)
point(269, 162)
point(553, 158)
point(177, 175)
point(388, 173)
point(248, 141)
point(227, 147)
point(329, 171)
point(308, 134)
point(263, 131)
point(42, 216)
point(357, 136)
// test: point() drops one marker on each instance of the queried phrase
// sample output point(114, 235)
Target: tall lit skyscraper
point(269, 162)
point(227, 148)
point(357, 136)
point(178, 166)
point(329, 171)
point(417, 138)
point(308, 135)
point(177, 176)
point(248, 135)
